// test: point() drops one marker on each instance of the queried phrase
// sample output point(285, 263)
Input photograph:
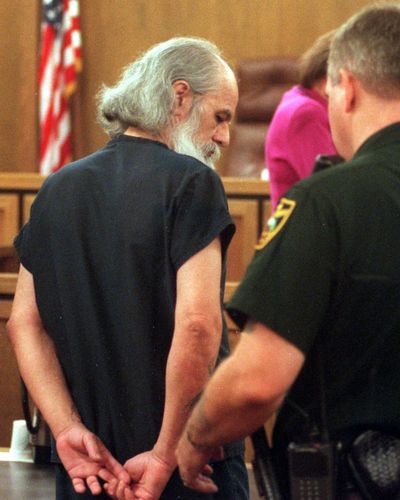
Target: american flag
point(60, 63)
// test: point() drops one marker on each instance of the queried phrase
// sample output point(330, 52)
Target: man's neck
point(136, 132)
point(376, 116)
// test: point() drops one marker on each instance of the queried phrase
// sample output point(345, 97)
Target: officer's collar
point(384, 137)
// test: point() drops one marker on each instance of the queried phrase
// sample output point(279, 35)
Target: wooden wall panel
point(266, 212)
point(241, 249)
point(18, 55)
point(26, 206)
point(115, 31)
point(10, 396)
point(119, 30)
point(8, 219)
point(11, 406)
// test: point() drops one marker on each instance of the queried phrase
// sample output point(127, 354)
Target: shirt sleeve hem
point(18, 245)
point(225, 229)
point(241, 314)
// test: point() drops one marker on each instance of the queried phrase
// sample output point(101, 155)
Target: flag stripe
point(60, 62)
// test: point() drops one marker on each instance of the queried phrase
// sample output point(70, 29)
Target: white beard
point(183, 138)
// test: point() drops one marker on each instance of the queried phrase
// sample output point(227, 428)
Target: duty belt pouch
point(312, 471)
point(374, 460)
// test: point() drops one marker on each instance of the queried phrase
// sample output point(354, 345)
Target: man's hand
point(149, 474)
point(85, 458)
point(193, 464)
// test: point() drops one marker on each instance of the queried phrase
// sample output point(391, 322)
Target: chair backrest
point(261, 85)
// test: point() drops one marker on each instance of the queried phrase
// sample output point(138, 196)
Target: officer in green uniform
point(322, 295)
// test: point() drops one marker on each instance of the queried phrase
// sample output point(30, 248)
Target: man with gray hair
point(320, 303)
point(117, 320)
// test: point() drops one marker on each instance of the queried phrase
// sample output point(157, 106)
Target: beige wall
point(18, 53)
point(115, 31)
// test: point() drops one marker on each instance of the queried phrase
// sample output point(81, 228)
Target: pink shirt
point(298, 133)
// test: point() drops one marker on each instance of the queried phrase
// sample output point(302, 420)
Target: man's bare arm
point(83, 455)
point(197, 336)
point(37, 360)
point(191, 360)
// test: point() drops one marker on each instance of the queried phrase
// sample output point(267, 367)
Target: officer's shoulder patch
point(276, 222)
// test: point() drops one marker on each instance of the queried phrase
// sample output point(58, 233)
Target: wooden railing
point(248, 201)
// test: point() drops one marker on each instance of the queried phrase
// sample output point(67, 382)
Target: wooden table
point(24, 481)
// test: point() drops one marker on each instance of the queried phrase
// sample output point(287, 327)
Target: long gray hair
point(143, 97)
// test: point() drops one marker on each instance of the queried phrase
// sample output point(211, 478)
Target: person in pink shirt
point(299, 130)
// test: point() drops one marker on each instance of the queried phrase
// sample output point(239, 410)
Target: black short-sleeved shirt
point(329, 269)
point(105, 239)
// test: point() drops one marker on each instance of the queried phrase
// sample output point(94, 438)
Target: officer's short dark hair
point(368, 45)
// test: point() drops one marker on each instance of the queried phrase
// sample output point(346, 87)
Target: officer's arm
point(242, 394)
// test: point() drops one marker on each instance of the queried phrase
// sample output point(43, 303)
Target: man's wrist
point(163, 454)
point(64, 425)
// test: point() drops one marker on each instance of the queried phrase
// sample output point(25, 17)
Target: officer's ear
point(183, 101)
point(349, 85)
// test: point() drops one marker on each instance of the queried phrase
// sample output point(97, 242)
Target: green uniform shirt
point(329, 269)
